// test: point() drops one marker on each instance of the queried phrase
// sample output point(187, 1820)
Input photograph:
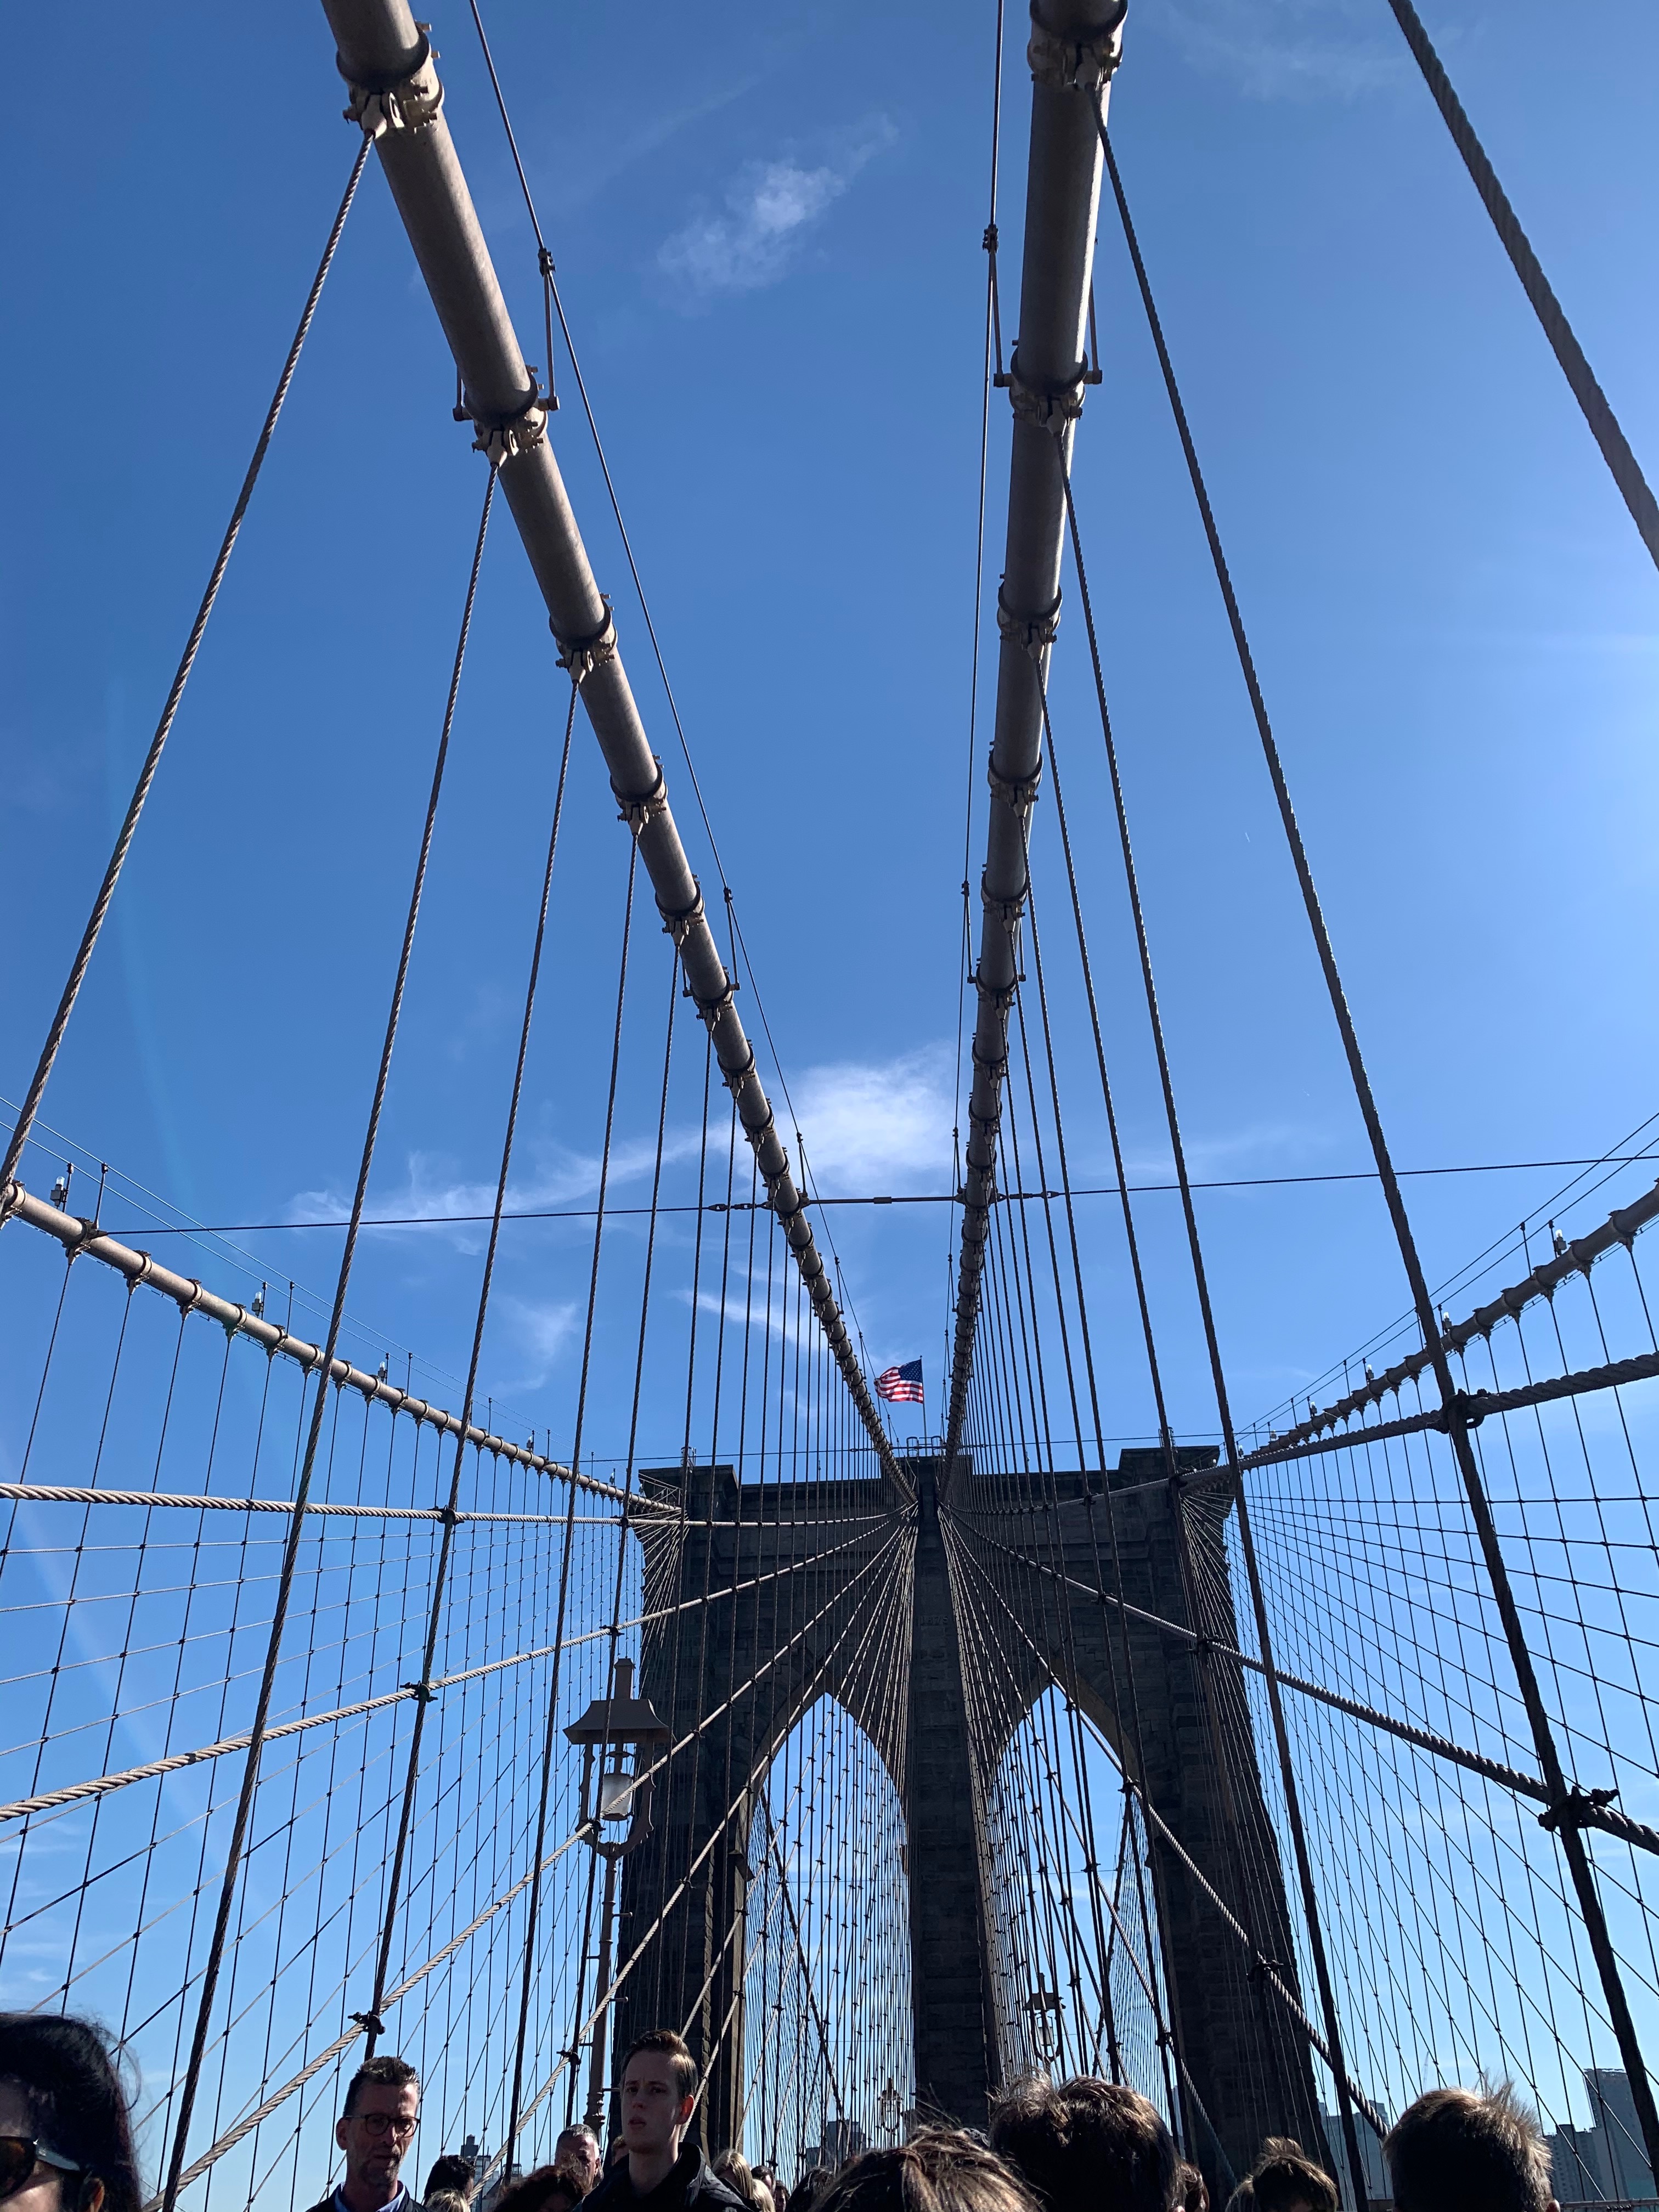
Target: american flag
point(902, 1384)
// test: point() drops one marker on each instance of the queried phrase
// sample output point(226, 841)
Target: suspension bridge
point(1281, 1775)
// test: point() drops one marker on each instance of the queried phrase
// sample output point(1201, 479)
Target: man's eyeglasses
point(20, 2155)
point(385, 2123)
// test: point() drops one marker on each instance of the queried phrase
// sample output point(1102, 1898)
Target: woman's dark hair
point(939, 2170)
point(1086, 2142)
point(66, 2070)
point(539, 2188)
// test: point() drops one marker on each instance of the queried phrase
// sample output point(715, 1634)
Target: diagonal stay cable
point(129, 827)
point(1622, 464)
point(290, 1557)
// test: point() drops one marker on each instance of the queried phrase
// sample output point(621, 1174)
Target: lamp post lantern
point(614, 1789)
point(889, 2110)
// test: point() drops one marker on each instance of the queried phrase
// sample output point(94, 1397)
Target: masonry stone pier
point(824, 1630)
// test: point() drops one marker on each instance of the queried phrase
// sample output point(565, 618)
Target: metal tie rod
point(1074, 51)
point(386, 61)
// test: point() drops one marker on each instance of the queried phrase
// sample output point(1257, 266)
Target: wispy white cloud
point(878, 1126)
point(1289, 1147)
point(769, 209)
point(1287, 49)
point(559, 1177)
point(540, 1330)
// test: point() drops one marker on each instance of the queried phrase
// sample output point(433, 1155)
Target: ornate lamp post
point(889, 2111)
point(613, 1791)
point(1043, 2010)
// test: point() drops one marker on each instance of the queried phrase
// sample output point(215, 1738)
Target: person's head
point(658, 2091)
point(804, 2197)
point(618, 2150)
point(1285, 2180)
point(939, 2170)
point(578, 2148)
point(444, 2200)
point(735, 2170)
point(451, 2175)
point(764, 2199)
point(544, 2188)
point(1086, 2141)
point(1453, 2148)
point(65, 2138)
point(1192, 2190)
point(377, 2126)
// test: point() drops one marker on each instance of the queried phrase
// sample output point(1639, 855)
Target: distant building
point(1624, 2161)
point(845, 2139)
point(1370, 2160)
point(1576, 2173)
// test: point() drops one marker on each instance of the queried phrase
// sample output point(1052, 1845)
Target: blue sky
point(768, 238)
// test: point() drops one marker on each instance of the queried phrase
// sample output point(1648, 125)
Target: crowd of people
point(1079, 2146)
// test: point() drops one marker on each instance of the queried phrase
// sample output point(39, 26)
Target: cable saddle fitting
point(1575, 1809)
point(582, 655)
point(1019, 792)
point(408, 102)
point(505, 438)
point(1031, 633)
point(1077, 64)
point(1049, 408)
point(640, 813)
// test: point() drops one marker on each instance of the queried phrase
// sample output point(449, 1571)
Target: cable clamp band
point(678, 922)
point(1007, 911)
point(371, 2020)
point(734, 1079)
point(503, 438)
point(1033, 634)
point(640, 813)
point(423, 1693)
point(1045, 407)
point(408, 102)
point(1019, 792)
point(1074, 64)
point(1575, 1808)
point(998, 996)
point(582, 655)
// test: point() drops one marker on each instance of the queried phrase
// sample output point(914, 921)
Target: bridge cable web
point(1568, 1831)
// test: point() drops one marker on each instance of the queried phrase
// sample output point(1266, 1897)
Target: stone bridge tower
point(1246, 2073)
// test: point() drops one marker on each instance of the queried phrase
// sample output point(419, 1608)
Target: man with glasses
point(374, 2131)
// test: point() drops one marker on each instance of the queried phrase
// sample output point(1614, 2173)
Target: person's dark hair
point(388, 2072)
point(1192, 2190)
point(671, 2047)
point(939, 2170)
point(542, 2186)
point(67, 2072)
point(576, 2128)
point(451, 2173)
point(1453, 2148)
point(1086, 2141)
point(804, 2197)
point(1285, 2176)
point(614, 2150)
